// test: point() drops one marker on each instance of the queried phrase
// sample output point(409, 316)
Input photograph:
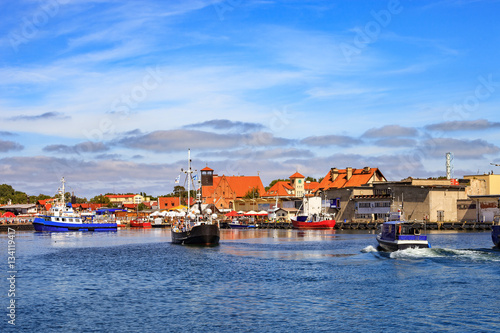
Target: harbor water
point(254, 281)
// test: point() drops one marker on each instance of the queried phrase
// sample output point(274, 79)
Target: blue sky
point(112, 94)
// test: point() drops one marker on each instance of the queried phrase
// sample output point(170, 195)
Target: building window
point(364, 205)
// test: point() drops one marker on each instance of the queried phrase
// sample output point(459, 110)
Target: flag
point(195, 177)
point(178, 179)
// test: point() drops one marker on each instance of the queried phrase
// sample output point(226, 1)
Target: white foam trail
point(369, 249)
point(412, 254)
point(472, 255)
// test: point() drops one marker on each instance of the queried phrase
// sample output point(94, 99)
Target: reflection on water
point(277, 235)
point(280, 244)
point(77, 239)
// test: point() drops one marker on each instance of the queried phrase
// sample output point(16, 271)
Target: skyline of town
point(112, 95)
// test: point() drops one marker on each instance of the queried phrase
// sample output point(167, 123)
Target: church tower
point(207, 177)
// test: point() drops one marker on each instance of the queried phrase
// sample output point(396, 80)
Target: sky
point(112, 94)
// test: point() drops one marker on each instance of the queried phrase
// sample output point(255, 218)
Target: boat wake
point(475, 255)
point(369, 249)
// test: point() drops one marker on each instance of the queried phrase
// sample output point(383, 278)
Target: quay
point(356, 225)
point(465, 226)
point(17, 226)
point(340, 225)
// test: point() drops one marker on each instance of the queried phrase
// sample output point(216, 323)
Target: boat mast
point(189, 179)
point(62, 191)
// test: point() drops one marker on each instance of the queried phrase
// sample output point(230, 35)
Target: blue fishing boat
point(61, 217)
point(398, 234)
point(495, 232)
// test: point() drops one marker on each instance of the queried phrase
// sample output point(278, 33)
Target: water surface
point(254, 281)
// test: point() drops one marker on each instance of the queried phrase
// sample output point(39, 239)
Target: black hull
point(495, 235)
point(205, 234)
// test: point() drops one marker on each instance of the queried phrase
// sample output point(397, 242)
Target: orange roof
point(131, 206)
point(92, 206)
point(296, 175)
point(311, 186)
point(280, 188)
point(240, 185)
point(359, 177)
point(206, 169)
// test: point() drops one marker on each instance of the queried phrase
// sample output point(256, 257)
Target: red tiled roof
point(311, 186)
point(240, 185)
point(206, 169)
point(131, 206)
point(296, 175)
point(281, 189)
point(359, 177)
point(92, 206)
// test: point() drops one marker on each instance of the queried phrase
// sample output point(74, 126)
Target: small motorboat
point(399, 235)
point(237, 224)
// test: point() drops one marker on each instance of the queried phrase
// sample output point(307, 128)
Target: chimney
point(348, 171)
point(366, 169)
point(334, 173)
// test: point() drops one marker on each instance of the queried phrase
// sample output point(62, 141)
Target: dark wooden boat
point(200, 234)
point(195, 230)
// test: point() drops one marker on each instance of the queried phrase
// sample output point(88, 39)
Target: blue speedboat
point(399, 235)
point(495, 232)
point(61, 217)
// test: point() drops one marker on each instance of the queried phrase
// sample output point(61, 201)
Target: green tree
point(100, 199)
point(252, 193)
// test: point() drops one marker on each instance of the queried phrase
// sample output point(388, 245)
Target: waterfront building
point(340, 186)
point(486, 184)
point(296, 187)
point(121, 199)
point(434, 200)
point(223, 191)
point(172, 202)
point(286, 213)
point(487, 207)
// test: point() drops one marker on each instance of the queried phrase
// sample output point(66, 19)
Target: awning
point(232, 214)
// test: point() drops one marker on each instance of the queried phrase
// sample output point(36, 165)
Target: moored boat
point(400, 235)
point(495, 231)
point(61, 217)
point(140, 224)
point(303, 222)
point(237, 224)
point(312, 218)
